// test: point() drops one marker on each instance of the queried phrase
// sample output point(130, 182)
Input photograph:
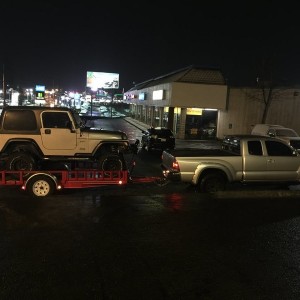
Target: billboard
point(40, 88)
point(102, 80)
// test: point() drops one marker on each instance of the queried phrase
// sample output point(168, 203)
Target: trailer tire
point(40, 186)
point(111, 163)
point(21, 161)
point(212, 182)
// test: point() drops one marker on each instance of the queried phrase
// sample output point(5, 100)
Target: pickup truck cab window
point(275, 148)
point(255, 148)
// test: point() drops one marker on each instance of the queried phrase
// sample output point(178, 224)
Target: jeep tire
point(20, 161)
point(111, 163)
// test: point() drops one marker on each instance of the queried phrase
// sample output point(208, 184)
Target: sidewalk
point(138, 124)
point(201, 144)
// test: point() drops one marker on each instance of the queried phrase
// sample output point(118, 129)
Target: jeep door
point(56, 131)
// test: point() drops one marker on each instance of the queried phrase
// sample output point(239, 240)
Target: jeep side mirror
point(135, 147)
point(69, 124)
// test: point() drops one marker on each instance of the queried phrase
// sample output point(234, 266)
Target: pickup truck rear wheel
point(20, 161)
point(212, 182)
point(40, 186)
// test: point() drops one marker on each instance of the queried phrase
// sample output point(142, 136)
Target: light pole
point(27, 93)
point(111, 93)
point(3, 88)
point(30, 90)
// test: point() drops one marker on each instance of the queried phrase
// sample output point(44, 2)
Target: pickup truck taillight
point(175, 165)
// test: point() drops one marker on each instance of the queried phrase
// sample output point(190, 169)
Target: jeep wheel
point(111, 163)
point(19, 161)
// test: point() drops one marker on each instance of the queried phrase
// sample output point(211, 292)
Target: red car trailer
point(44, 183)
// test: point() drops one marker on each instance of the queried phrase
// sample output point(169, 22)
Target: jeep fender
point(22, 145)
point(109, 147)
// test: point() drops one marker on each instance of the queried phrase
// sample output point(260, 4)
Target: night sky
point(56, 43)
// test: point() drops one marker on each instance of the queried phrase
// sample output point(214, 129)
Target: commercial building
point(197, 103)
point(187, 101)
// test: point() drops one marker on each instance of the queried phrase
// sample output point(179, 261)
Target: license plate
point(163, 140)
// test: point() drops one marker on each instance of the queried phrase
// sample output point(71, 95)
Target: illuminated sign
point(158, 95)
point(15, 98)
point(102, 80)
point(194, 111)
point(40, 88)
point(40, 95)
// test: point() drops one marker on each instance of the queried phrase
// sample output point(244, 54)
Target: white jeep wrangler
point(33, 135)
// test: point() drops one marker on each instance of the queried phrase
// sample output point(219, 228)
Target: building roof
point(190, 74)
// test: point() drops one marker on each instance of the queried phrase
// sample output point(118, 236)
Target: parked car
point(277, 131)
point(231, 143)
point(158, 138)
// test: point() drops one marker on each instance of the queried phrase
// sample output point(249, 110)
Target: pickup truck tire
point(20, 161)
point(212, 182)
point(111, 163)
point(40, 186)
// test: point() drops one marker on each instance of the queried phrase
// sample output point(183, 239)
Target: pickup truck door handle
point(271, 160)
point(47, 131)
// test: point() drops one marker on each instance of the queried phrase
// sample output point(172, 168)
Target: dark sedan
point(158, 138)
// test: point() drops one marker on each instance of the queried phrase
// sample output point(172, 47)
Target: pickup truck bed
point(192, 152)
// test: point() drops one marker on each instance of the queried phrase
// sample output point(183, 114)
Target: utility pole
point(3, 88)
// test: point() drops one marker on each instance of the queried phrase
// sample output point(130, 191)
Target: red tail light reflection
point(174, 202)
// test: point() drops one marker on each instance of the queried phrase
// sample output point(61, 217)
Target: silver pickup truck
point(243, 158)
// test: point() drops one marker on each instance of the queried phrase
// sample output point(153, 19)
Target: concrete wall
point(245, 109)
point(199, 95)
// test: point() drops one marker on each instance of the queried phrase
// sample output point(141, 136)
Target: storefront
point(186, 101)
